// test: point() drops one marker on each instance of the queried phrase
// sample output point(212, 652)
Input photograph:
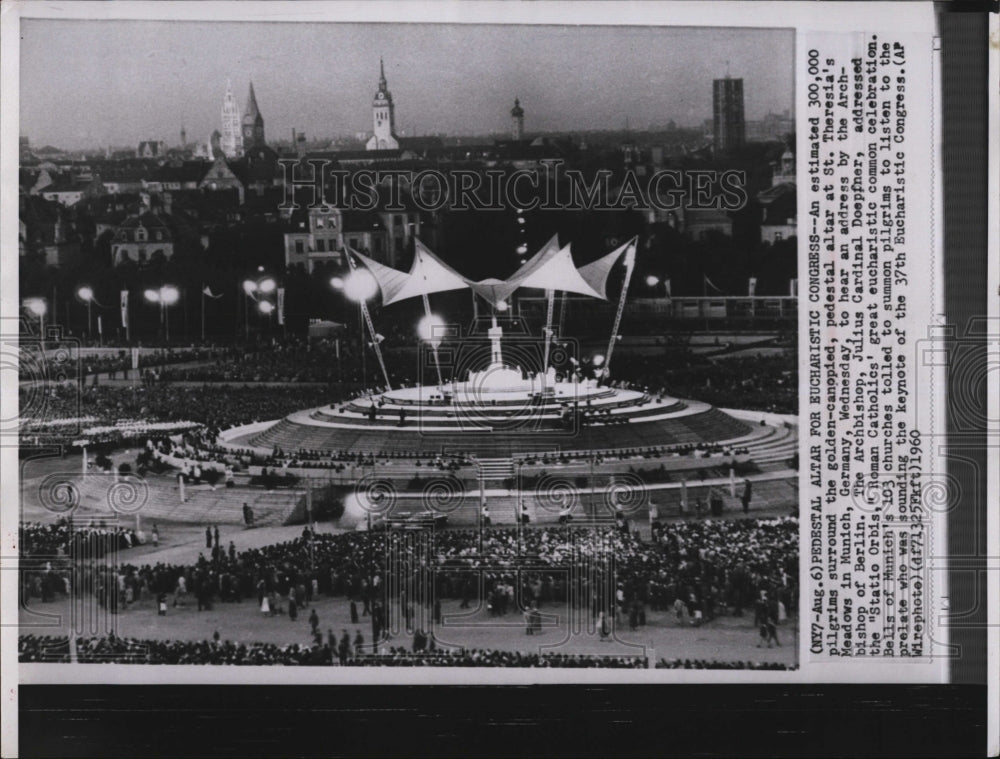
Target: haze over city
point(90, 84)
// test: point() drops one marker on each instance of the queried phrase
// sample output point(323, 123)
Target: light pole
point(86, 294)
point(165, 296)
point(266, 307)
point(264, 286)
point(38, 307)
point(360, 286)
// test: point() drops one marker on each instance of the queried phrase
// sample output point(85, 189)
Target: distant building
point(772, 127)
point(383, 117)
point(517, 121)
point(221, 177)
point(141, 239)
point(315, 235)
point(69, 192)
point(728, 124)
point(231, 137)
point(151, 149)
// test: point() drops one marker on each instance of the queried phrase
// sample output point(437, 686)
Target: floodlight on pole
point(267, 285)
point(652, 280)
point(360, 285)
point(37, 306)
point(249, 286)
point(86, 294)
point(169, 295)
point(265, 307)
point(337, 283)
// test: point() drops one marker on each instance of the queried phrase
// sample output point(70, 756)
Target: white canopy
point(551, 268)
point(596, 272)
point(427, 275)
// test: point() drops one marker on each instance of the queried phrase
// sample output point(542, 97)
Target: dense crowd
point(112, 649)
point(696, 569)
point(62, 538)
point(215, 406)
point(62, 360)
point(764, 383)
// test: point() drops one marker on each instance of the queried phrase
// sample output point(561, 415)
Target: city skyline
point(319, 79)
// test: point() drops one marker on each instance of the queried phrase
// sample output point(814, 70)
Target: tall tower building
point(383, 116)
point(728, 123)
point(231, 139)
point(253, 123)
point(517, 121)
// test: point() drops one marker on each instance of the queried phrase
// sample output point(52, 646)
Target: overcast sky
point(94, 83)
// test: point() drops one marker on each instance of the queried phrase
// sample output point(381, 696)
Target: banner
point(281, 305)
point(124, 306)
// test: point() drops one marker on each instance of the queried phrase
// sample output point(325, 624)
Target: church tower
point(253, 123)
point(517, 121)
point(231, 138)
point(383, 116)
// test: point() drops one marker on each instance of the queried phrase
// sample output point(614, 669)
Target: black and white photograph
point(397, 345)
point(619, 375)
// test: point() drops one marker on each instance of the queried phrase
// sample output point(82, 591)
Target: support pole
point(550, 296)
point(371, 328)
point(629, 268)
point(433, 342)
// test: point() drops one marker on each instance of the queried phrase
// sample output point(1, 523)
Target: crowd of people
point(112, 649)
point(697, 570)
point(63, 538)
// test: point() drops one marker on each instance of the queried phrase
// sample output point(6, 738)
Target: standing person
point(293, 609)
point(156, 537)
point(216, 535)
point(772, 631)
point(314, 621)
point(344, 649)
point(359, 643)
point(747, 495)
point(232, 551)
point(208, 537)
point(486, 514)
point(354, 612)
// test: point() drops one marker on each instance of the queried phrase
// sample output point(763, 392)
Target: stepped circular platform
point(498, 416)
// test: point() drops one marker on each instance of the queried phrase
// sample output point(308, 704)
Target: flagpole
point(203, 312)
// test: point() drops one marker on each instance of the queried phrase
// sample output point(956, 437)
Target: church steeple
point(383, 116)
point(253, 122)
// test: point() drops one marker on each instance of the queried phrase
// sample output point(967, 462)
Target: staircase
point(494, 470)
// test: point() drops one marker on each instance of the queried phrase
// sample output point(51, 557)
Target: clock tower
point(383, 116)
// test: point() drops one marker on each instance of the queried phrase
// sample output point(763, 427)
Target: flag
point(208, 291)
point(100, 328)
point(709, 283)
point(752, 286)
point(281, 305)
point(124, 304)
point(666, 288)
